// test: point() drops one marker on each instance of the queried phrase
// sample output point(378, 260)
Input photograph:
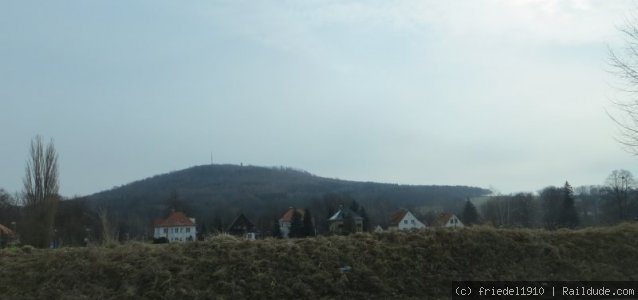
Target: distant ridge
point(211, 192)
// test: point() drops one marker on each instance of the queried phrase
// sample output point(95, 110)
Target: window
point(412, 221)
point(176, 230)
point(405, 221)
point(188, 230)
point(165, 230)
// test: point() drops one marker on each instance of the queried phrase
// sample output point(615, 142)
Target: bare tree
point(40, 195)
point(619, 184)
point(624, 64)
point(109, 232)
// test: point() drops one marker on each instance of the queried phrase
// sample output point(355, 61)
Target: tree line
point(553, 207)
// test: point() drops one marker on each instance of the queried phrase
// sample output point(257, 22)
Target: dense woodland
point(216, 194)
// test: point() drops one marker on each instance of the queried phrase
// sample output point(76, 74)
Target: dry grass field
point(393, 265)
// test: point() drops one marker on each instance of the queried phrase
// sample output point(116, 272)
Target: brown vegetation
point(388, 265)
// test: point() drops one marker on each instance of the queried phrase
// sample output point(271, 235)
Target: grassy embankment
point(399, 265)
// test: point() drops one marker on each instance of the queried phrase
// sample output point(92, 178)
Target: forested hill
point(220, 192)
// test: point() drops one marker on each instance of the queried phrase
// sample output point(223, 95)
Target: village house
point(447, 220)
point(403, 219)
point(338, 223)
point(176, 228)
point(286, 220)
point(243, 227)
point(6, 235)
point(5, 231)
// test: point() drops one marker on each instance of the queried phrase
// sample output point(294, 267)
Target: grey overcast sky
point(508, 94)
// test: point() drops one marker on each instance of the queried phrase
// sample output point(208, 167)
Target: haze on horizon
point(491, 93)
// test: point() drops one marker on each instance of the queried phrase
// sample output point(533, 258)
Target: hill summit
point(217, 193)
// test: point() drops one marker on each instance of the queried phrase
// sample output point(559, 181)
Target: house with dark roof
point(241, 226)
point(176, 228)
point(403, 219)
point(447, 220)
point(286, 220)
point(345, 221)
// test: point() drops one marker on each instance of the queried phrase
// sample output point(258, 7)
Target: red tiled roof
point(396, 218)
point(175, 219)
point(5, 231)
point(287, 216)
point(442, 219)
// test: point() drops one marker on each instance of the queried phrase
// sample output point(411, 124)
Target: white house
point(286, 220)
point(404, 220)
point(448, 220)
point(176, 228)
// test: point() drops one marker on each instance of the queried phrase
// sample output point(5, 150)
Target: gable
point(398, 217)
point(241, 223)
point(448, 219)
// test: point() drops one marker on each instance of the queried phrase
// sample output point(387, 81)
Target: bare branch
point(40, 194)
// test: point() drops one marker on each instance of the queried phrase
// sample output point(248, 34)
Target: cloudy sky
point(509, 94)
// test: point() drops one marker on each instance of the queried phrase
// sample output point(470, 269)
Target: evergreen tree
point(308, 225)
point(349, 225)
point(470, 214)
point(218, 225)
point(276, 230)
point(177, 203)
point(296, 225)
point(354, 206)
point(551, 198)
point(366, 221)
point(568, 216)
point(202, 231)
